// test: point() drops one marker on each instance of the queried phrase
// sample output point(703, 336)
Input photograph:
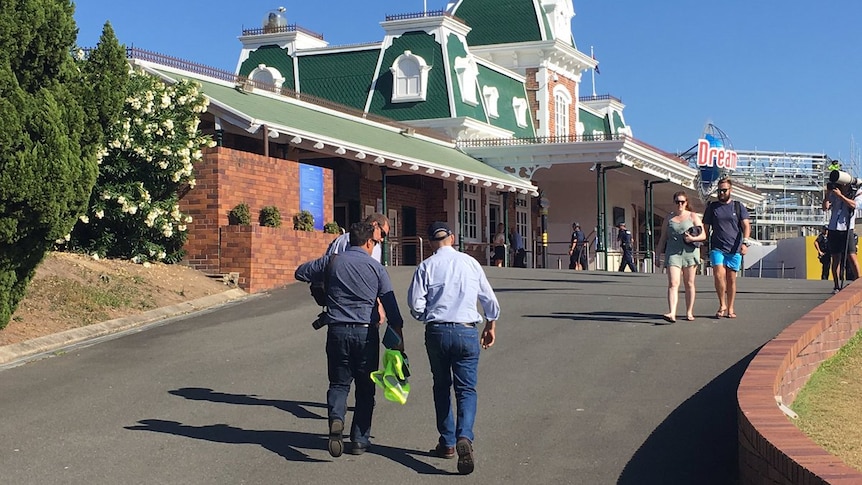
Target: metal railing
point(280, 29)
point(538, 140)
point(396, 249)
point(419, 15)
point(599, 97)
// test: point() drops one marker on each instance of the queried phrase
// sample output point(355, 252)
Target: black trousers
point(628, 260)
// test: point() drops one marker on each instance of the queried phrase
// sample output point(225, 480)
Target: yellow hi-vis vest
point(391, 378)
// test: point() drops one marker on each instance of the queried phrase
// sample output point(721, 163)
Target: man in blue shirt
point(578, 249)
point(355, 282)
point(731, 227)
point(624, 237)
point(519, 252)
point(443, 295)
point(342, 243)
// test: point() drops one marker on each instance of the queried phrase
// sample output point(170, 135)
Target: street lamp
point(544, 204)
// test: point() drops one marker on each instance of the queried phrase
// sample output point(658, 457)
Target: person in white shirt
point(381, 230)
point(443, 295)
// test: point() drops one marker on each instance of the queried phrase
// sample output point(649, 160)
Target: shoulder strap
point(710, 208)
point(737, 209)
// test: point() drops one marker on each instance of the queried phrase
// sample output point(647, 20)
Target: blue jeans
point(453, 352)
point(352, 353)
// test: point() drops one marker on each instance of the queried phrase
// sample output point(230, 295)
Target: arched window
point(562, 107)
point(267, 75)
point(410, 78)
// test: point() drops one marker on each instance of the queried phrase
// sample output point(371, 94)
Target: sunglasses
point(680, 201)
point(721, 191)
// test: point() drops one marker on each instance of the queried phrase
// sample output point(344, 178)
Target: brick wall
point(266, 257)
point(532, 87)
point(226, 178)
point(427, 196)
point(772, 450)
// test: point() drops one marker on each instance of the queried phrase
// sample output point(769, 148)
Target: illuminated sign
point(715, 156)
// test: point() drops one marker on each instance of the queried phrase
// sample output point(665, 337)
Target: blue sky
point(772, 75)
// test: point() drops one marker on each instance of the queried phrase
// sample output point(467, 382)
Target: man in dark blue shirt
point(731, 227)
point(354, 283)
point(624, 236)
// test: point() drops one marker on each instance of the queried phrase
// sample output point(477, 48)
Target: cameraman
point(837, 198)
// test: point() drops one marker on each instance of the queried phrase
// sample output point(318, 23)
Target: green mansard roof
point(343, 77)
point(508, 89)
point(503, 21)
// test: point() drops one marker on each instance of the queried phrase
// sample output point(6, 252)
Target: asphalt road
point(582, 387)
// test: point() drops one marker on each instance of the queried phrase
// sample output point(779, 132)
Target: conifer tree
point(47, 162)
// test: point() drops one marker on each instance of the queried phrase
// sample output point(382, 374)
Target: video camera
point(837, 178)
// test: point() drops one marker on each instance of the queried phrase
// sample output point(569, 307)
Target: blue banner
point(311, 192)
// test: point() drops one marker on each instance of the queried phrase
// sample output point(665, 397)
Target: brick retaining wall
point(266, 257)
point(772, 450)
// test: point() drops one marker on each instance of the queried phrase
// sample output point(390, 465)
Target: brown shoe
point(441, 451)
point(465, 456)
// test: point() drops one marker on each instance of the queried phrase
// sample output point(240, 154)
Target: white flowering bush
point(149, 159)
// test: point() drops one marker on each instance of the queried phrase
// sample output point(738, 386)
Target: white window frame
point(267, 75)
point(409, 78)
point(491, 96)
point(466, 71)
point(562, 111)
point(520, 107)
point(471, 213)
point(522, 220)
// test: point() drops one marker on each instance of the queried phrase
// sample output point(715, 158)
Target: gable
point(437, 103)
point(270, 56)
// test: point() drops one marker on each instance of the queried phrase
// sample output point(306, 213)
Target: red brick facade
point(264, 257)
point(570, 86)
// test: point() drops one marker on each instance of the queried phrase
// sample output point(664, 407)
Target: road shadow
point(287, 444)
point(698, 442)
point(604, 317)
point(297, 408)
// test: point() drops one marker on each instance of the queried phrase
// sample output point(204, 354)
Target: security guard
point(625, 239)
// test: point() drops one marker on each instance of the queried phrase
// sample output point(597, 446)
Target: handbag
point(695, 231)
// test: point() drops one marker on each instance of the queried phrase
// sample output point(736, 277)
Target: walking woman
point(680, 255)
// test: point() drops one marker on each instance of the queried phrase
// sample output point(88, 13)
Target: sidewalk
point(22, 352)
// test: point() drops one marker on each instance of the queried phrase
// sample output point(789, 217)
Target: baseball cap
point(576, 224)
point(438, 231)
point(621, 224)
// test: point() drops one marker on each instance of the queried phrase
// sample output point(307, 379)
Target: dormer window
point(410, 78)
point(491, 96)
point(467, 72)
point(520, 107)
point(267, 76)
